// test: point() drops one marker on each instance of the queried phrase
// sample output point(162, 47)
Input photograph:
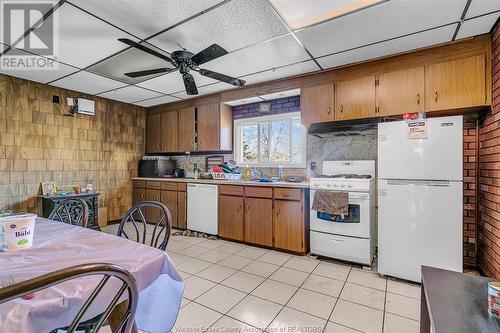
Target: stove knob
point(342, 185)
point(328, 185)
point(349, 185)
point(336, 185)
point(316, 184)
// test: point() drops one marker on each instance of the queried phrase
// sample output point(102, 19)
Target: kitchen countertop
point(227, 182)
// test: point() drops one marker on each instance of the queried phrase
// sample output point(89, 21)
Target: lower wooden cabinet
point(181, 210)
point(231, 217)
point(289, 225)
point(259, 221)
point(153, 214)
point(169, 199)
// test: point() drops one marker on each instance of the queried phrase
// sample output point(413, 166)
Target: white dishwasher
point(202, 208)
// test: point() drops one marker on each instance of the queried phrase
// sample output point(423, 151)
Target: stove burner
point(347, 176)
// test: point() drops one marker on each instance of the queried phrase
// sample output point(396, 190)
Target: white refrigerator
point(420, 197)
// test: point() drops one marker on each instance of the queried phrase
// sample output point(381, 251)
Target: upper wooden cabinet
point(153, 133)
point(317, 103)
point(214, 127)
point(355, 98)
point(187, 128)
point(456, 84)
point(400, 91)
point(169, 135)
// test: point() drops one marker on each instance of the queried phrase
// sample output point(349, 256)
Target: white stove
point(347, 237)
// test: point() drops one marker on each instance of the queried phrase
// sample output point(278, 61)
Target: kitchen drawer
point(153, 185)
point(182, 187)
point(287, 193)
point(340, 247)
point(139, 183)
point(169, 186)
point(231, 190)
point(258, 192)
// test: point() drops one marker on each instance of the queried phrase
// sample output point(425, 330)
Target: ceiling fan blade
point(189, 84)
point(146, 49)
point(222, 77)
point(150, 72)
point(210, 53)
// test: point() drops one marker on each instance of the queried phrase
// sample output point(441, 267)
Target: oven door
point(355, 224)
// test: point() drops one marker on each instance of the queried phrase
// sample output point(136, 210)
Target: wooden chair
point(161, 225)
point(107, 271)
point(74, 211)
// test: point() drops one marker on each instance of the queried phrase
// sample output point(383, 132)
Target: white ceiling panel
point(83, 39)
point(130, 94)
point(152, 16)
point(387, 20)
point(234, 25)
point(477, 26)
point(245, 101)
point(87, 83)
point(131, 60)
point(394, 46)
point(172, 82)
point(281, 94)
point(274, 53)
point(278, 73)
point(212, 88)
point(156, 101)
point(479, 7)
point(43, 76)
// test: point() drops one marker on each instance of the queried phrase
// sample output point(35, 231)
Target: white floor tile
point(216, 273)
point(358, 317)
point(195, 318)
point(403, 288)
point(289, 276)
point(290, 320)
point(275, 257)
point(260, 268)
point(251, 252)
point(403, 306)
point(323, 285)
point(367, 279)
point(193, 265)
point(243, 281)
point(230, 325)
point(332, 271)
point(363, 295)
point(302, 264)
point(214, 256)
point(275, 291)
point(184, 302)
point(195, 286)
point(255, 311)
point(177, 245)
point(221, 298)
point(211, 244)
point(312, 303)
point(397, 324)
point(235, 262)
point(194, 251)
point(231, 248)
point(336, 328)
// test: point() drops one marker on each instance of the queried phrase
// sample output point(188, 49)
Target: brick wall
point(282, 105)
point(489, 175)
point(38, 143)
point(470, 193)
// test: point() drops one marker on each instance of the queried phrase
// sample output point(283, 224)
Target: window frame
point(237, 149)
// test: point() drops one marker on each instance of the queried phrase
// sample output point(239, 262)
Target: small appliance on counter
point(156, 167)
point(179, 173)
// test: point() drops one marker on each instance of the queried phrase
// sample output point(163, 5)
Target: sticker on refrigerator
point(416, 129)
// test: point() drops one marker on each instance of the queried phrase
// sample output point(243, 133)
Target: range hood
point(345, 127)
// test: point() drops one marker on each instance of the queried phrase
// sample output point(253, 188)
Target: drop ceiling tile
point(278, 73)
point(245, 101)
point(281, 94)
point(43, 76)
point(172, 82)
point(274, 53)
point(84, 39)
point(87, 83)
point(212, 88)
point(156, 101)
point(234, 25)
point(390, 47)
point(130, 94)
point(387, 20)
point(479, 7)
point(147, 17)
point(131, 60)
point(477, 26)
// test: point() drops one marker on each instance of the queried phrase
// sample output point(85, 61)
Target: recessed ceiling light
point(300, 13)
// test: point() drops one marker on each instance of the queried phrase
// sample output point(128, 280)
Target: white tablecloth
point(57, 245)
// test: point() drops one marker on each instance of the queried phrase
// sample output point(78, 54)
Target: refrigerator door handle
point(437, 183)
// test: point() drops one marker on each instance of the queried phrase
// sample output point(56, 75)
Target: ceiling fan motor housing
point(183, 59)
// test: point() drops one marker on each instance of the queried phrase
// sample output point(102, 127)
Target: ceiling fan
point(185, 61)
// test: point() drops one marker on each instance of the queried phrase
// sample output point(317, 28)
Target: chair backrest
point(106, 270)
point(74, 211)
point(138, 216)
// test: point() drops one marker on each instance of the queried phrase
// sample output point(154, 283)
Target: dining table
point(58, 245)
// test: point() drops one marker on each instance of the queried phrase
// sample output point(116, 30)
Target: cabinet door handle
point(436, 95)
point(142, 196)
point(157, 198)
point(341, 108)
point(329, 110)
point(418, 98)
point(248, 209)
